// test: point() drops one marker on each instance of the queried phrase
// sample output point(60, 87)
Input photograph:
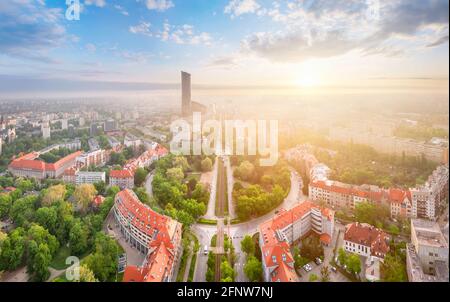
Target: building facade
point(366, 240)
point(124, 179)
point(277, 234)
point(155, 235)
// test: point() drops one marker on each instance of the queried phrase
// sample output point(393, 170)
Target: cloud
point(98, 3)
point(321, 28)
point(121, 10)
point(30, 30)
point(225, 62)
point(439, 41)
point(142, 28)
point(91, 47)
point(239, 7)
point(179, 34)
point(159, 5)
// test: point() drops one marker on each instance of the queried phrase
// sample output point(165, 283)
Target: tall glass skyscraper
point(185, 93)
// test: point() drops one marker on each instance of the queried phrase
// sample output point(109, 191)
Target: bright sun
point(308, 76)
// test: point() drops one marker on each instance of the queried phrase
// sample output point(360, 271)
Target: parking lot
point(328, 257)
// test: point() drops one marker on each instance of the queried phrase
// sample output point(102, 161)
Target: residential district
point(98, 182)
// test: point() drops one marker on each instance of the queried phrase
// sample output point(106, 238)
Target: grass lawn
point(59, 261)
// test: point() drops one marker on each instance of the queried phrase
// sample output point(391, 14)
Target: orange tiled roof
point(367, 235)
point(120, 174)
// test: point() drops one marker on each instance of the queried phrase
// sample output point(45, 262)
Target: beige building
point(429, 245)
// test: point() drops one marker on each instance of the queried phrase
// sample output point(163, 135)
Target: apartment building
point(420, 202)
point(366, 240)
point(29, 166)
point(278, 233)
point(96, 158)
point(428, 249)
point(89, 177)
point(427, 198)
point(155, 235)
point(124, 179)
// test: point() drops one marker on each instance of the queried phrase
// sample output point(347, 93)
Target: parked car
point(334, 269)
point(307, 268)
point(318, 261)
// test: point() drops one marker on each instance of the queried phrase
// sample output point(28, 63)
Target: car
point(318, 261)
point(307, 268)
point(333, 269)
point(205, 250)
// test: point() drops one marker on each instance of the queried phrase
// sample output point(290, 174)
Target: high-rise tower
point(185, 93)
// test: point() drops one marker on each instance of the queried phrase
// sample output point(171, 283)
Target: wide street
point(238, 231)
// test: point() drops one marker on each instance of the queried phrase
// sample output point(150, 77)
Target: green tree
point(142, 195)
point(342, 256)
point(53, 194)
point(206, 164)
point(226, 270)
point(103, 262)
point(23, 210)
point(248, 245)
point(78, 238)
point(48, 218)
point(139, 176)
point(181, 162)
point(83, 195)
point(86, 275)
point(24, 185)
point(112, 191)
point(313, 278)
point(253, 269)
point(175, 174)
point(353, 264)
point(393, 269)
point(39, 261)
point(245, 171)
point(100, 187)
point(5, 205)
point(13, 250)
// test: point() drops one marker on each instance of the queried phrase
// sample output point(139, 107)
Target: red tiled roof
point(159, 262)
point(29, 162)
point(397, 195)
point(367, 235)
point(145, 219)
point(276, 251)
point(120, 174)
point(98, 200)
point(325, 238)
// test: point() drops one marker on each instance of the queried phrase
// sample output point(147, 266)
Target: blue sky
point(308, 43)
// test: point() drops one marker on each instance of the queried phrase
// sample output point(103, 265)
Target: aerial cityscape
point(224, 141)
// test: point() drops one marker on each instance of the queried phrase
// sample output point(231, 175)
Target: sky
point(310, 44)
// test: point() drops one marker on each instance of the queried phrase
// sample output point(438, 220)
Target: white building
point(89, 177)
point(366, 240)
point(46, 132)
point(277, 234)
point(427, 198)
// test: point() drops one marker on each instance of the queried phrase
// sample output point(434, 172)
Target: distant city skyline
point(245, 43)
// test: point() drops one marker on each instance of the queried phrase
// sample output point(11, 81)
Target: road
point(148, 184)
point(230, 183)
point(238, 231)
point(210, 212)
